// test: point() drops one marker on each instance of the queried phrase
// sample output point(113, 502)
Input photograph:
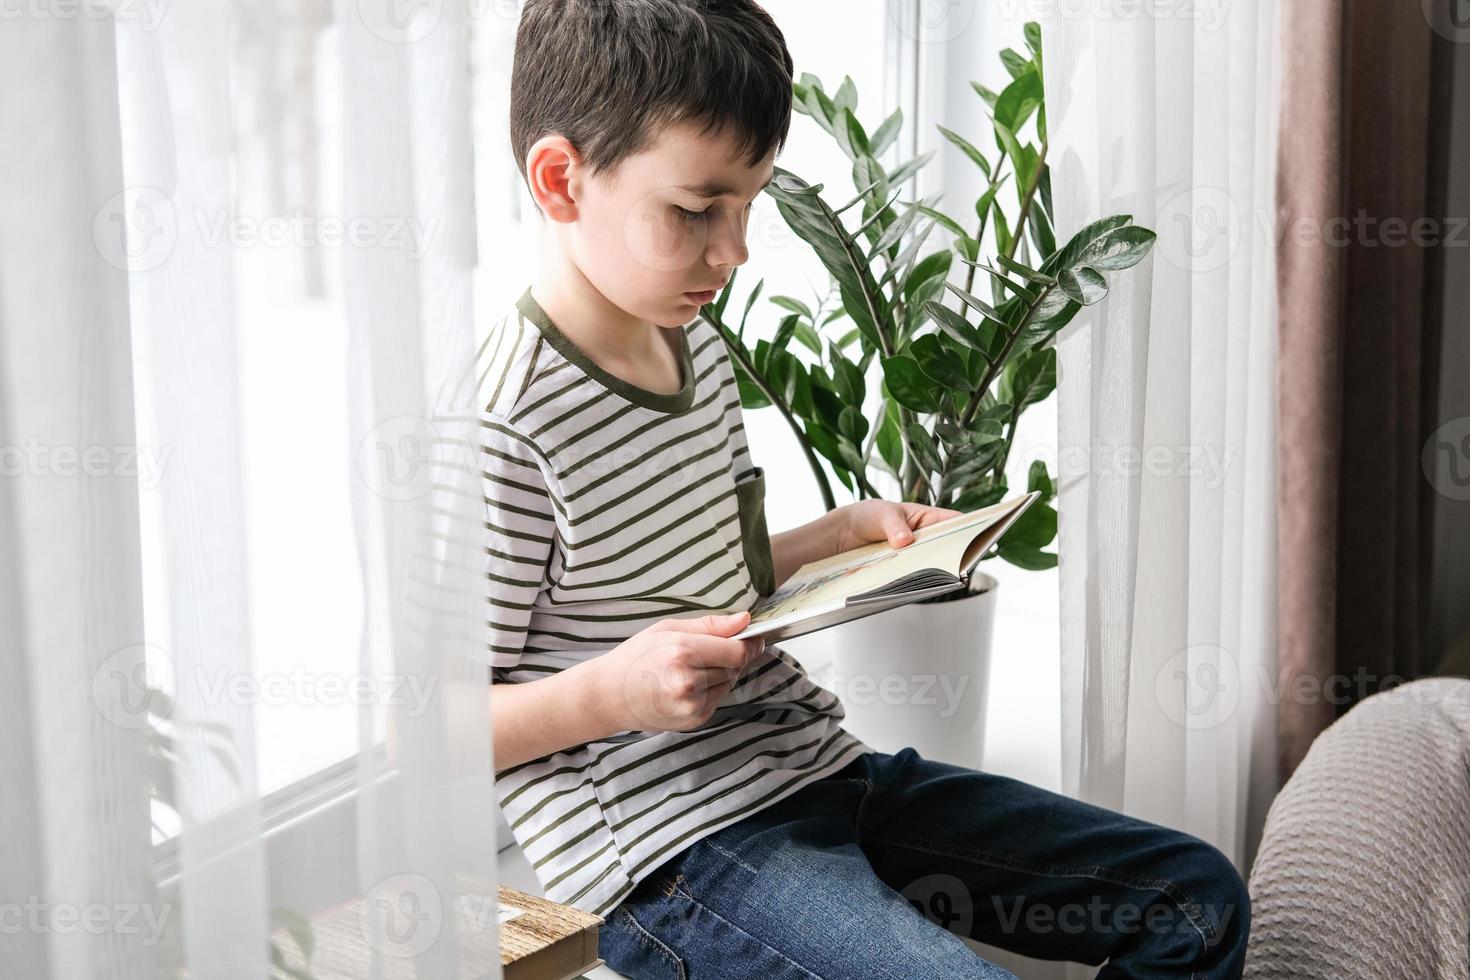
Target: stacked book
point(385, 935)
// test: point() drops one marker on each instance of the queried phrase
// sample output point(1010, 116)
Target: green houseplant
point(955, 376)
point(163, 761)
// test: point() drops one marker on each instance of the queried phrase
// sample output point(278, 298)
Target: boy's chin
point(679, 314)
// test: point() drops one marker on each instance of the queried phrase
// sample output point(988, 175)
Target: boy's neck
point(601, 329)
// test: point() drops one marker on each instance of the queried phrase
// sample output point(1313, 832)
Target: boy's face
point(660, 233)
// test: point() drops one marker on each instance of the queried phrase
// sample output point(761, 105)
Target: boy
point(699, 791)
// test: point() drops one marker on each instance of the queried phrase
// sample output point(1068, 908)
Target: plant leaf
point(862, 194)
point(1071, 253)
point(299, 928)
point(1083, 284)
point(944, 221)
point(890, 443)
point(1024, 272)
point(904, 171)
point(1037, 478)
point(857, 138)
point(908, 384)
point(958, 327)
point(749, 303)
point(986, 202)
point(1121, 248)
point(905, 260)
point(1026, 293)
point(1015, 64)
point(1034, 529)
point(853, 427)
point(1031, 559)
point(794, 305)
point(820, 108)
point(1019, 99)
point(939, 362)
point(968, 148)
point(895, 231)
point(875, 216)
point(784, 331)
point(1005, 138)
point(1035, 378)
point(985, 309)
point(925, 452)
point(847, 380)
point(1032, 30)
point(886, 133)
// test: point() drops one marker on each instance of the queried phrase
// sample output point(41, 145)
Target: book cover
point(878, 576)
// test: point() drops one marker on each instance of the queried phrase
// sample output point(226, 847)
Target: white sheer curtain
point(126, 232)
point(73, 807)
point(1166, 414)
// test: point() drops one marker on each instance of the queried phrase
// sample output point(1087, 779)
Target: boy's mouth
point(703, 298)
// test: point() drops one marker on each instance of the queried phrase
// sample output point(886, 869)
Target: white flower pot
point(918, 675)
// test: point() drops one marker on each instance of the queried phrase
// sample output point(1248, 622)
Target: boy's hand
point(866, 521)
point(672, 675)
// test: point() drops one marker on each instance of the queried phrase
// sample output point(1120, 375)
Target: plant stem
point(738, 353)
point(1027, 198)
point(1026, 201)
point(994, 371)
point(856, 260)
point(1005, 451)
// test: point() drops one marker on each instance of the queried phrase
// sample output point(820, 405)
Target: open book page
point(939, 546)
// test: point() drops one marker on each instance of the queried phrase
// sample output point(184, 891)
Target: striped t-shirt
point(611, 507)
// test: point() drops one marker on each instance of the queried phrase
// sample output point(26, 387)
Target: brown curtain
point(1359, 339)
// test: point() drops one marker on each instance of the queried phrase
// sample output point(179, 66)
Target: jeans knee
point(1222, 903)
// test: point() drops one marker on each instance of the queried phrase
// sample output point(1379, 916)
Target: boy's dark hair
point(606, 74)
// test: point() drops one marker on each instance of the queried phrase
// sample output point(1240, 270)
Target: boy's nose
point(727, 244)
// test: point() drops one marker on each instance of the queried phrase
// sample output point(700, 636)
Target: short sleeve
point(742, 467)
point(750, 483)
point(520, 522)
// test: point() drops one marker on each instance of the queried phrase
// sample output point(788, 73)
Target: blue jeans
point(876, 870)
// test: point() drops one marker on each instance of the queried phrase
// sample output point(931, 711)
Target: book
point(878, 576)
point(539, 939)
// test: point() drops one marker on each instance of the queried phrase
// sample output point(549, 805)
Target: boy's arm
point(811, 541)
point(535, 718)
point(851, 526)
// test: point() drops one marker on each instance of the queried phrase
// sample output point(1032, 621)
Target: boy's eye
point(689, 215)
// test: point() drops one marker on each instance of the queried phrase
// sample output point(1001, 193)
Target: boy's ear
point(553, 168)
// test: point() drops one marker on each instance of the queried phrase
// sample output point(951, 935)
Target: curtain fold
point(1310, 311)
point(1358, 352)
point(410, 321)
point(168, 203)
point(175, 94)
point(1165, 422)
point(74, 804)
